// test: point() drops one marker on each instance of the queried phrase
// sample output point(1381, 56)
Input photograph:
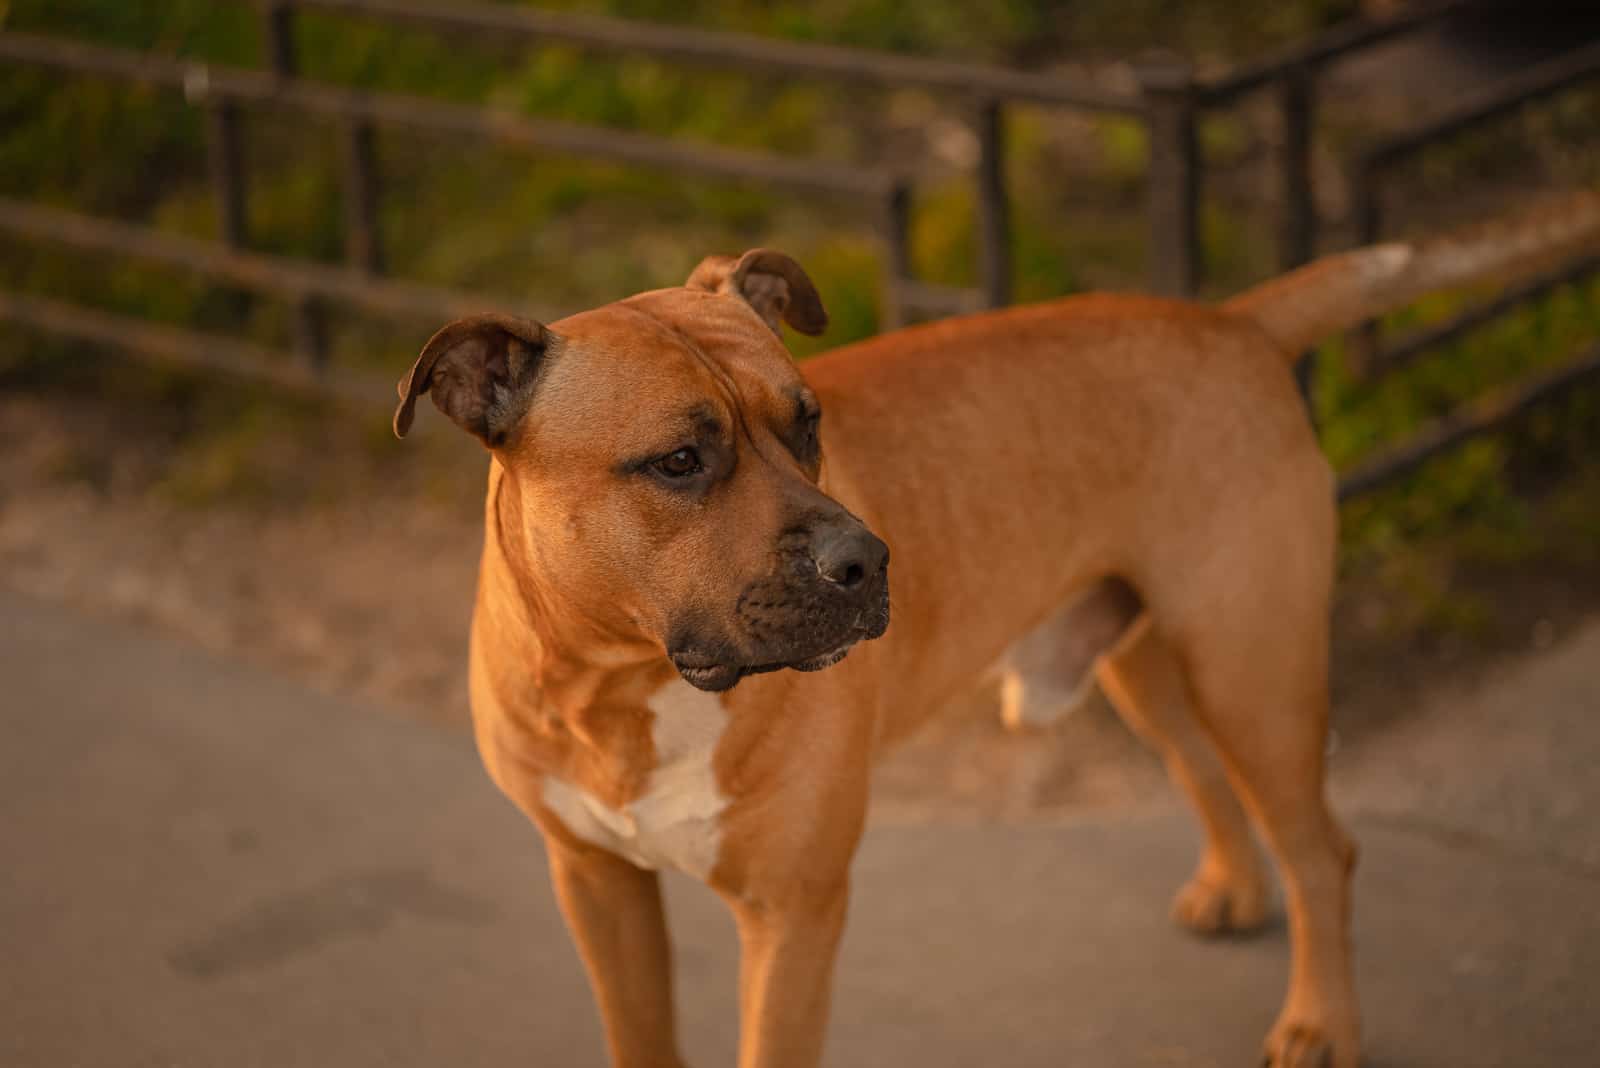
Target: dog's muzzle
point(796, 619)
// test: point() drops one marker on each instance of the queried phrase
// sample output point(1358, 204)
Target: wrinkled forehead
point(657, 364)
point(726, 330)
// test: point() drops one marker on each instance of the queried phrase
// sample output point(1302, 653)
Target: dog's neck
point(565, 673)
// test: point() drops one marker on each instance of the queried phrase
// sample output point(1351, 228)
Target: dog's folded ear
point(480, 371)
point(770, 282)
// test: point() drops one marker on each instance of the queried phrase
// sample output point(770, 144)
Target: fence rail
point(1489, 412)
point(1373, 167)
point(1334, 44)
point(1169, 102)
point(208, 84)
point(290, 278)
point(211, 352)
point(748, 53)
point(1413, 346)
point(1520, 89)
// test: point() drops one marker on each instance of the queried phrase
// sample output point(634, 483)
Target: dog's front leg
point(786, 974)
point(613, 910)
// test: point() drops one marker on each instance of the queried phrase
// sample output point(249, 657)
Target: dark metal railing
point(1371, 360)
point(208, 351)
point(1521, 89)
point(1170, 102)
point(217, 87)
point(1415, 344)
point(1488, 412)
point(986, 89)
point(751, 54)
point(1333, 44)
point(292, 278)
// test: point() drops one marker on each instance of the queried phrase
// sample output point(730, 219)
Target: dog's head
point(665, 460)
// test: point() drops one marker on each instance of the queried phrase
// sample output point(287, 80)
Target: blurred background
point(233, 608)
point(227, 226)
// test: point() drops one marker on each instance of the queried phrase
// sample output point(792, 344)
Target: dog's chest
point(675, 822)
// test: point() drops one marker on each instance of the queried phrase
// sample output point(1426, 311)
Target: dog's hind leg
point(1253, 642)
point(1144, 681)
point(1266, 706)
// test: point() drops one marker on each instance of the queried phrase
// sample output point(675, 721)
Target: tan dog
point(668, 525)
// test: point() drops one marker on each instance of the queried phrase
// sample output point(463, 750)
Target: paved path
point(201, 865)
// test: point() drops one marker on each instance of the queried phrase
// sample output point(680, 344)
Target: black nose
point(848, 556)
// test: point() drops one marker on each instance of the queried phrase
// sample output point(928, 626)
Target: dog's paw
point(1211, 906)
point(1297, 1042)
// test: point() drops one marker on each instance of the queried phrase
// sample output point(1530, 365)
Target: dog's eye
point(680, 463)
point(809, 443)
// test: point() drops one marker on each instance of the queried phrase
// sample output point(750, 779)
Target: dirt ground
point(344, 558)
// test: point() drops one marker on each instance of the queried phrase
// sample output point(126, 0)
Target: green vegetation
point(563, 233)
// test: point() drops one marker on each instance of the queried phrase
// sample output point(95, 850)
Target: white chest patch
point(674, 823)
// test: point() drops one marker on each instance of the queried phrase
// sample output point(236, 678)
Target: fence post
point(224, 157)
point(309, 331)
point(277, 32)
point(1173, 192)
point(1362, 343)
point(308, 325)
point(994, 208)
point(1297, 235)
point(362, 241)
point(895, 232)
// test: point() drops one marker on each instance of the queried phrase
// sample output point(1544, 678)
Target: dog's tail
point(1340, 291)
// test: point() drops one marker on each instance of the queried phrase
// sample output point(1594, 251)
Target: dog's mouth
point(716, 677)
point(717, 673)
